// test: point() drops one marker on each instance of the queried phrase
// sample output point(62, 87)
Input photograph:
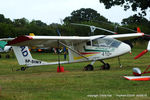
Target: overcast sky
point(52, 11)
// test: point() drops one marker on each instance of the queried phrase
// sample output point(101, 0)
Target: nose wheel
point(106, 66)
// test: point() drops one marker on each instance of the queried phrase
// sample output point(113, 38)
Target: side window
point(106, 42)
point(88, 43)
point(95, 43)
point(115, 44)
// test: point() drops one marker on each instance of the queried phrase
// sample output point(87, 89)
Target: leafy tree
point(38, 23)
point(127, 4)
point(135, 19)
point(6, 30)
point(20, 22)
point(84, 14)
point(4, 20)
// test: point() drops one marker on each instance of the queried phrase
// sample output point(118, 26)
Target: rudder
point(23, 54)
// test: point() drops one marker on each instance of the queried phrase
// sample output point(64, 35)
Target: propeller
point(93, 28)
point(143, 52)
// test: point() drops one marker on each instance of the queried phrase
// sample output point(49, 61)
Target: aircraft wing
point(6, 39)
point(123, 37)
point(46, 41)
point(120, 37)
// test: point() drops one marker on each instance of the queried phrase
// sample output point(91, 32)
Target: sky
point(53, 11)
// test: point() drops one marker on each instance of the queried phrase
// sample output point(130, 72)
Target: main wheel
point(7, 56)
point(89, 68)
point(107, 66)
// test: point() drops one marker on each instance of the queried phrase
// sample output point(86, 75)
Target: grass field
point(44, 83)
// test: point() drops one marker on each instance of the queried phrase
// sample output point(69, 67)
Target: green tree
point(127, 4)
point(4, 20)
point(6, 30)
point(20, 22)
point(38, 23)
point(84, 14)
point(135, 19)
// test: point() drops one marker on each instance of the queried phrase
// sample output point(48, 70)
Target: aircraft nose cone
point(125, 48)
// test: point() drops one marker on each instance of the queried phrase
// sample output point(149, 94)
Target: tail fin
point(22, 53)
point(24, 56)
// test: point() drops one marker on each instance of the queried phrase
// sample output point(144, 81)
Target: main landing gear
point(106, 66)
point(22, 69)
point(90, 67)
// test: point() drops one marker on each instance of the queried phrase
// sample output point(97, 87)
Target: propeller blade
point(141, 54)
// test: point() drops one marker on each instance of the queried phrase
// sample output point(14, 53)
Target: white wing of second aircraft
point(6, 39)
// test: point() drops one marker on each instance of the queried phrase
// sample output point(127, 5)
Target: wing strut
point(73, 50)
point(58, 55)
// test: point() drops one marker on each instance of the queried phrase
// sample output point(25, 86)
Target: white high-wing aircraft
point(89, 48)
point(5, 49)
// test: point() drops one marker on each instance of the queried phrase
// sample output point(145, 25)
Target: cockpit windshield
point(106, 42)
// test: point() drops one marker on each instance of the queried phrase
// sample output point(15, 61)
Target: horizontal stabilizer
point(47, 63)
point(24, 57)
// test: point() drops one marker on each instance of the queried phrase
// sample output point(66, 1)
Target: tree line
point(22, 26)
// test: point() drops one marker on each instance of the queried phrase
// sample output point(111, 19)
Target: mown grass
point(44, 83)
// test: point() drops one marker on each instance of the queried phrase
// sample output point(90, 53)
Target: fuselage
point(100, 49)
